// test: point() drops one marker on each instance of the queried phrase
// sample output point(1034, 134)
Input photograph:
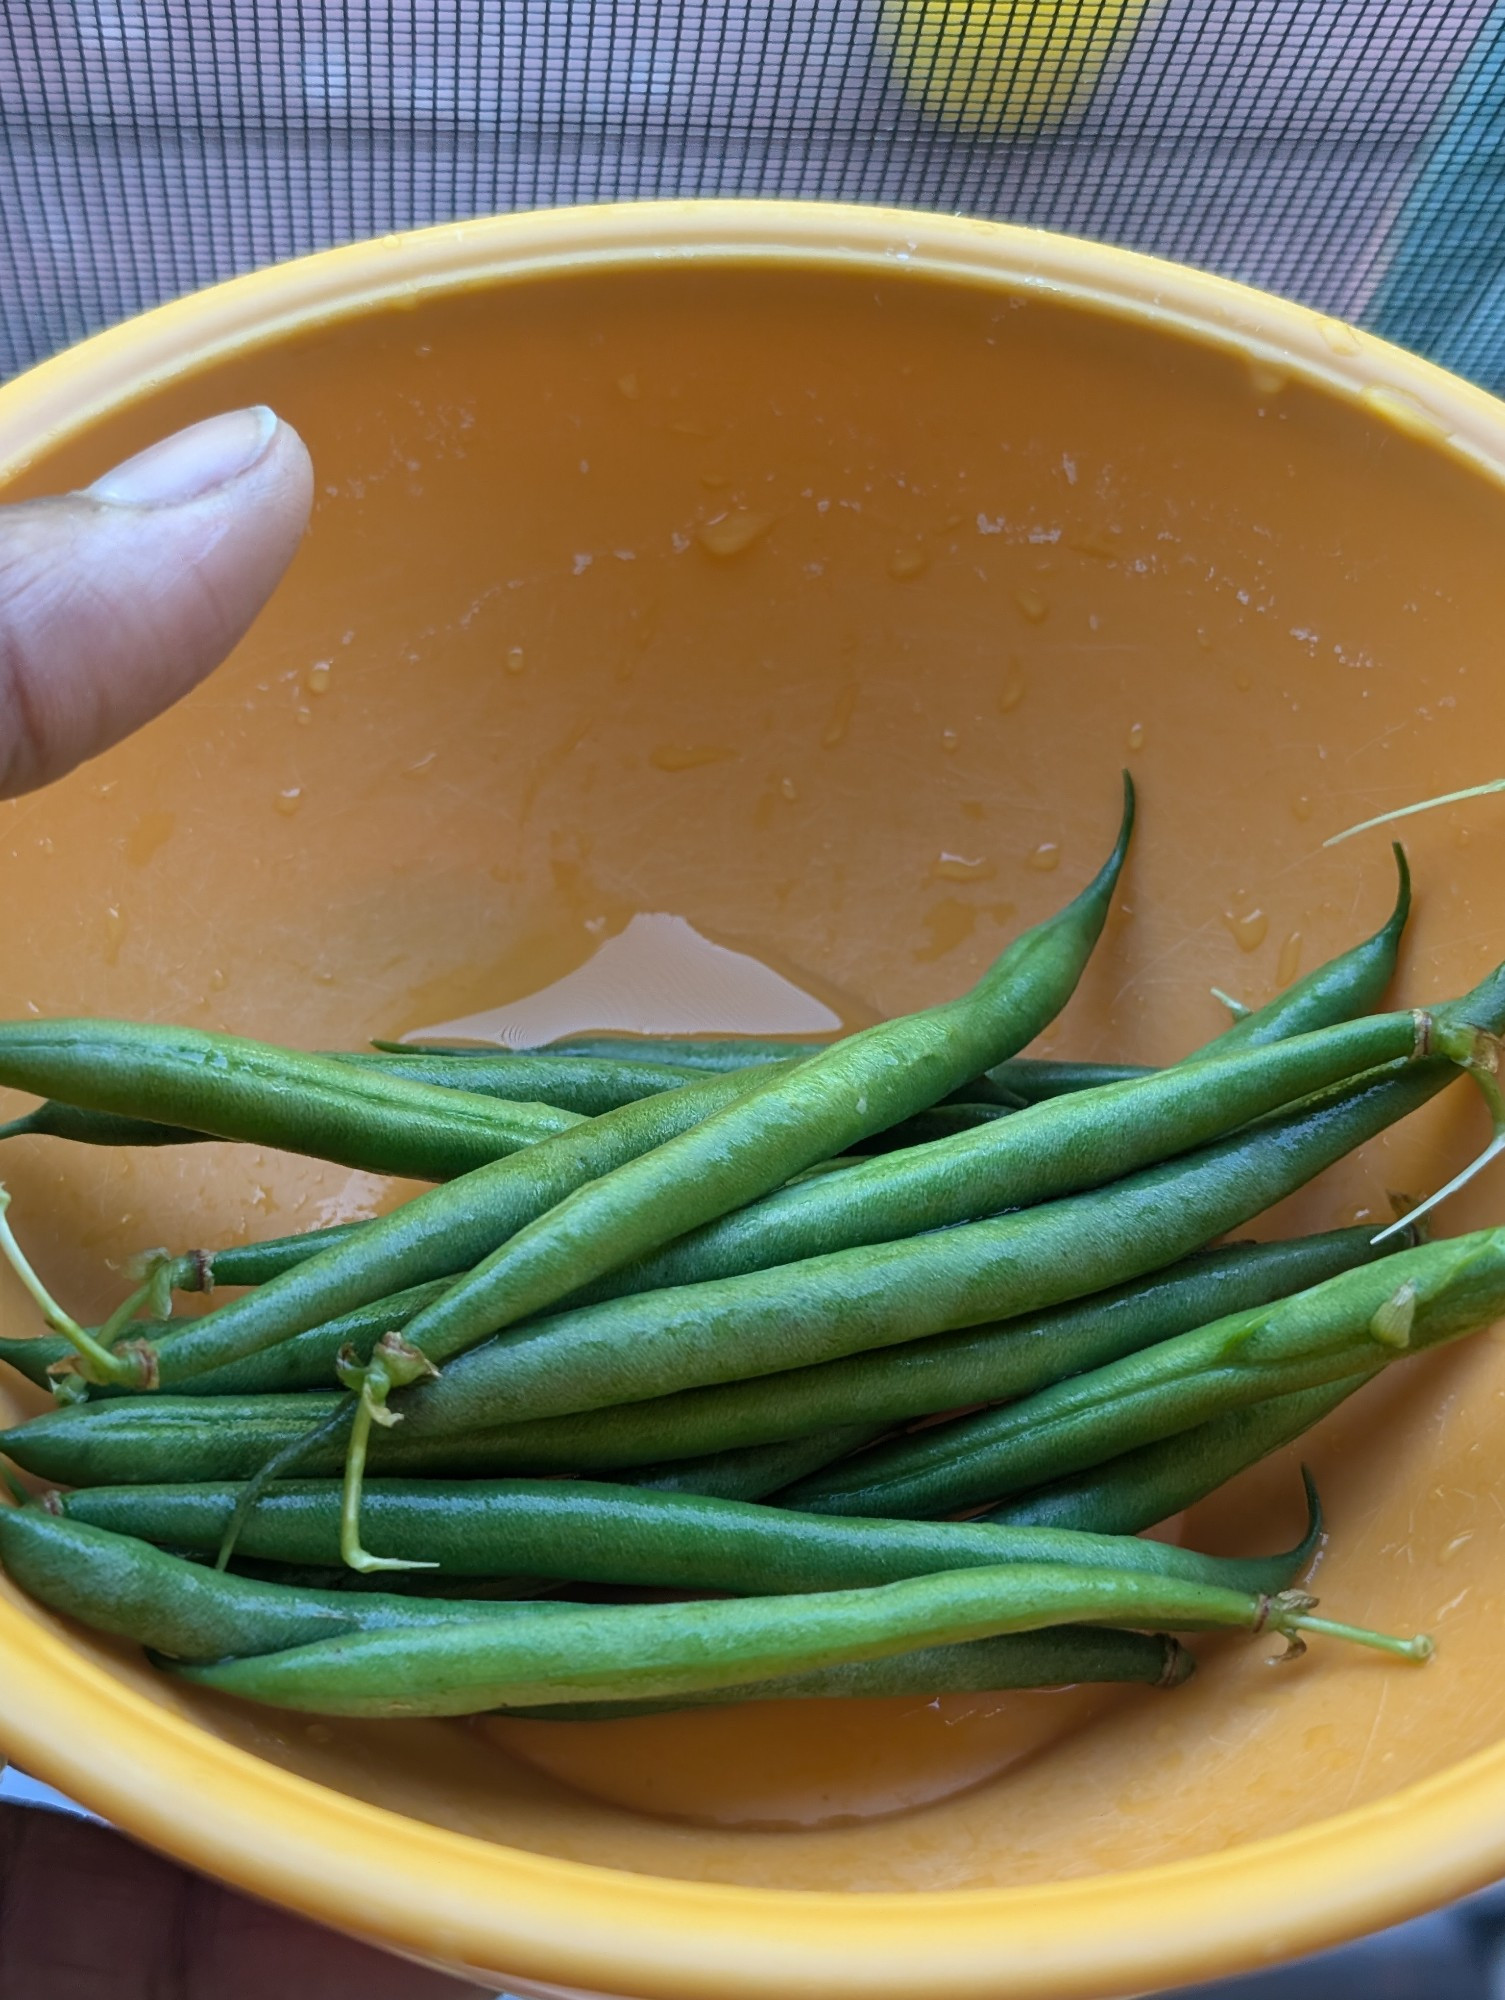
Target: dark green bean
point(578, 1085)
point(1139, 1489)
point(1028, 1078)
point(1348, 1325)
point(230, 1088)
point(826, 1307)
point(52, 1120)
point(653, 1651)
point(122, 1585)
point(1058, 1656)
point(758, 1470)
point(1354, 983)
point(634, 1535)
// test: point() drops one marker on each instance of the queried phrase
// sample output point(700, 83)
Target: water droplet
point(628, 385)
point(950, 923)
point(1249, 927)
point(950, 741)
point(730, 534)
point(841, 715)
point(1014, 687)
point(320, 674)
point(1339, 335)
point(788, 787)
point(1032, 604)
point(1450, 1549)
point(289, 799)
point(1289, 962)
point(907, 563)
point(421, 766)
point(1301, 806)
point(152, 831)
point(1136, 736)
point(1265, 378)
point(688, 756)
point(963, 868)
point(1460, 836)
point(217, 980)
point(515, 660)
point(115, 928)
point(1405, 411)
point(1046, 856)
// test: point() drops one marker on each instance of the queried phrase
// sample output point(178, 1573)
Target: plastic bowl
point(806, 573)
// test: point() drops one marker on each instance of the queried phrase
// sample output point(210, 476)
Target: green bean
point(1348, 1325)
point(757, 1470)
point(437, 1233)
point(52, 1120)
point(1028, 1078)
point(585, 1086)
point(652, 1651)
point(885, 1294)
point(986, 1364)
point(712, 1052)
point(1140, 1488)
point(122, 1585)
point(1052, 1149)
point(596, 1533)
point(1353, 983)
point(229, 1088)
point(1057, 1656)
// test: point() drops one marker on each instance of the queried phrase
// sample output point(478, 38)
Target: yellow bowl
point(806, 573)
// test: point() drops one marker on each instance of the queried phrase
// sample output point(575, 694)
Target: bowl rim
point(470, 1904)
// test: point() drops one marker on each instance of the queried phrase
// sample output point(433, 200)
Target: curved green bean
point(1057, 1656)
point(1139, 1489)
point(226, 1087)
point(597, 1533)
point(120, 1584)
point(649, 1652)
point(1351, 984)
point(1347, 1326)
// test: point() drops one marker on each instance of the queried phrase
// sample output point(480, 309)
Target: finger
point(114, 602)
point(85, 1913)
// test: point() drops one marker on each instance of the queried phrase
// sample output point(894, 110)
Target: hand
point(115, 602)
point(84, 1915)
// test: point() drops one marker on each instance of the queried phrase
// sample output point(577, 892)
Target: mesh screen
point(1349, 153)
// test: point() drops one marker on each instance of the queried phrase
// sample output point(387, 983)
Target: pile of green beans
point(742, 1324)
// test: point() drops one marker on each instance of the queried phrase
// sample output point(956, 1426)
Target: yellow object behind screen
point(1006, 68)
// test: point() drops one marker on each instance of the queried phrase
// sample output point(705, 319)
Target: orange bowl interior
point(815, 595)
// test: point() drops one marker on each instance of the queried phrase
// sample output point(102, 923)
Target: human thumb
point(114, 602)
